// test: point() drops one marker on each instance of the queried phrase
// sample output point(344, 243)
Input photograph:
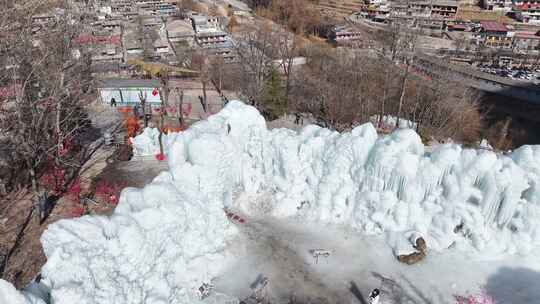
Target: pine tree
point(274, 97)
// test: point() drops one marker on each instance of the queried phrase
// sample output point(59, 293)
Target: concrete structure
point(126, 91)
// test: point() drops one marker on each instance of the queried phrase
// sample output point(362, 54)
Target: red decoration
point(155, 92)
point(160, 156)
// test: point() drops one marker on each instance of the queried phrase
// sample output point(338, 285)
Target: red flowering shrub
point(77, 210)
point(53, 179)
point(481, 298)
point(108, 192)
point(74, 190)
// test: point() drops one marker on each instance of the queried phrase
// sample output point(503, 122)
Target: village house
point(125, 92)
point(157, 8)
point(494, 34)
point(444, 9)
point(497, 5)
point(345, 34)
point(375, 12)
point(527, 11)
point(209, 36)
point(426, 9)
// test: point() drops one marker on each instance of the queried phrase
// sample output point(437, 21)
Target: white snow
point(10, 295)
point(166, 239)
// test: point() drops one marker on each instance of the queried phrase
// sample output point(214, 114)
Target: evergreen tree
point(274, 96)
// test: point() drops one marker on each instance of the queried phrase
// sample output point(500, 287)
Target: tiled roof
point(493, 26)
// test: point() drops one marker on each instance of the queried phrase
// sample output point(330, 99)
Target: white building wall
point(128, 95)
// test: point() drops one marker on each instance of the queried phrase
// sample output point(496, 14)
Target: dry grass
point(337, 9)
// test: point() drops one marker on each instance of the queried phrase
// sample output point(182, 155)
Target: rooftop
point(436, 3)
point(128, 83)
point(211, 32)
point(493, 26)
point(180, 26)
point(197, 19)
point(475, 14)
point(528, 35)
point(93, 39)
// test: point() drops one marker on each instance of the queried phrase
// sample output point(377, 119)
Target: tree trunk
point(143, 105)
point(180, 106)
point(33, 179)
point(161, 122)
point(402, 95)
point(205, 100)
point(60, 137)
point(385, 93)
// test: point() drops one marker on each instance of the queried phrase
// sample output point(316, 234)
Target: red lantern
point(154, 92)
point(160, 157)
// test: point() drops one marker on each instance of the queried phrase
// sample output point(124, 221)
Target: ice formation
point(452, 196)
point(164, 240)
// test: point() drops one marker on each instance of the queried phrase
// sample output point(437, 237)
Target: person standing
point(113, 102)
point(136, 112)
point(374, 296)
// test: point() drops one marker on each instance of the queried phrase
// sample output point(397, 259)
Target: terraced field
point(338, 9)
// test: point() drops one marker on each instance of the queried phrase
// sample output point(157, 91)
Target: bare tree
point(180, 106)
point(254, 52)
point(143, 97)
point(47, 109)
point(288, 48)
point(409, 47)
point(201, 63)
point(164, 92)
point(43, 117)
